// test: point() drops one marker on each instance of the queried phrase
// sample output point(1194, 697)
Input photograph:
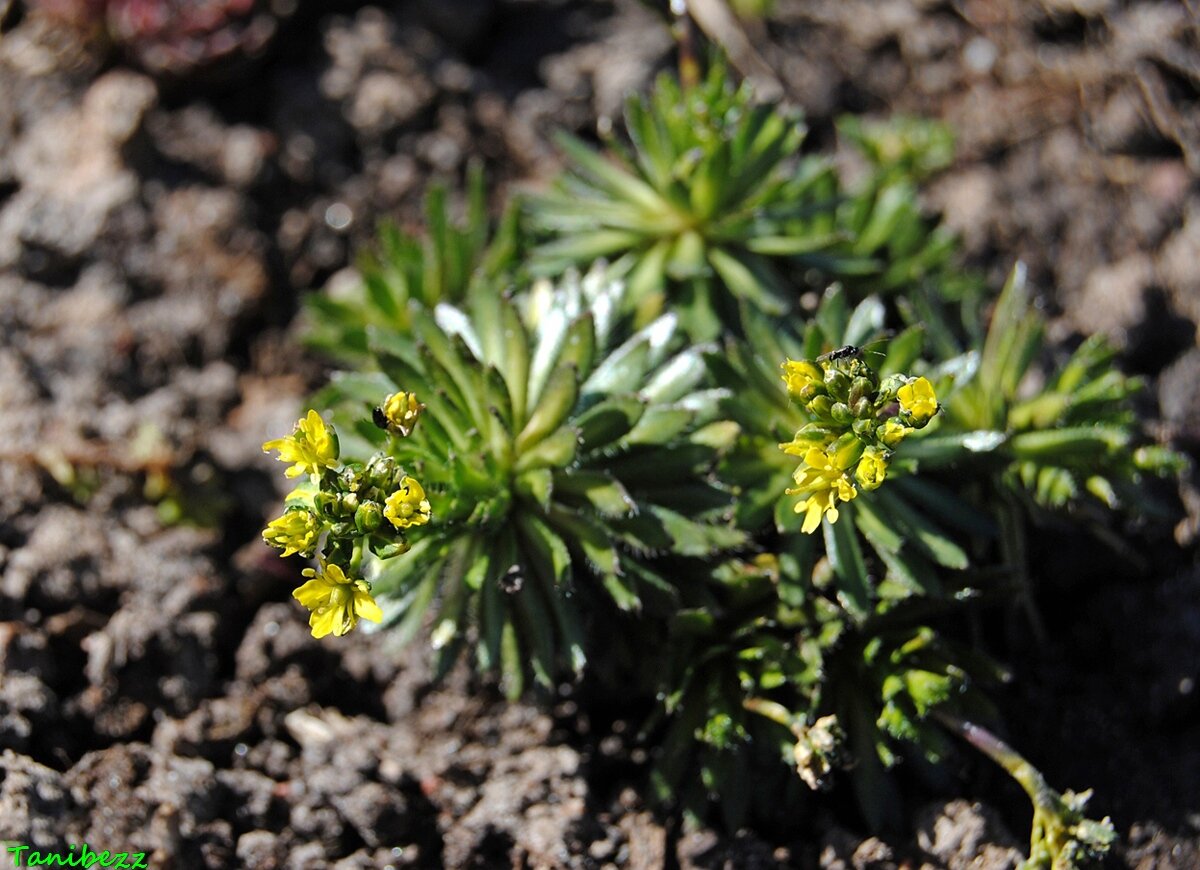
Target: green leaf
point(690, 538)
point(536, 484)
point(659, 425)
point(749, 277)
point(605, 495)
point(613, 178)
point(607, 421)
point(555, 451)
point(850, 570)
point(553, 407)
point(549, 556)
point(921, 531)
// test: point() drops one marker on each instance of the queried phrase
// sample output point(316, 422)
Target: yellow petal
point(313, 594)
point(812, 516)
point(365, 606)
point(323, 623)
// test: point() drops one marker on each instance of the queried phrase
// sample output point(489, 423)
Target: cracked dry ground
point(158, 690)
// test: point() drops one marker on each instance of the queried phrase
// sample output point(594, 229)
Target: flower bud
point(872, 468)
point(326, 503)
point(860, 388)
point(841, 414)
point(348, 479)
point(837, 383)
point(888, 389)
point(368, 517)
point(396, 548)
point(820, 407)
point(347, 503)
point(381, 471)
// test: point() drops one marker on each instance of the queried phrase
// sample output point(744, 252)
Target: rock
point(260, 850)
point(1179, 397)
point(211, 731)
point(966, 836)
point(256, 799)
point(1113, 297)
point(379, 814)
point(36, 807)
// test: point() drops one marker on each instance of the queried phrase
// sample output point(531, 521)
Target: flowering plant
point(621, 454)
point(346, 505)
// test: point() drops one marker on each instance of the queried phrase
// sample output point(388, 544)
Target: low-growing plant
point(624, 473)
point(175, 38)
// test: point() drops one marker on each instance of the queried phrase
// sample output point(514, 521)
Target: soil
point(160, 692)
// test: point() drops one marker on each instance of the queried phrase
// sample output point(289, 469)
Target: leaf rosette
point(563, 458)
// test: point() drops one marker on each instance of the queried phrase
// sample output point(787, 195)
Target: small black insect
point(380, 418)
point(844, 352)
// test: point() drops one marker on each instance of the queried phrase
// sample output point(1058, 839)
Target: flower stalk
point(1062, 838)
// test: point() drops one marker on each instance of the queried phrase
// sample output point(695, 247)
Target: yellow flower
point(336, 601)
point(294, 532)
point(893, 432)
point(823, 479)
point(312, 446)
point(407, 506)
point(823, 503)
point(918, 401)
point(872, 469)
point(801, 374)
point(399, 412)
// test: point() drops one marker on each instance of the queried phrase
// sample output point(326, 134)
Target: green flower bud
point(396, 548)
point(863, 409)
point(860, 388)
point(381, 472)
point(347, 503)
point(348, 479)
point(368, 517)
point(326, 503)
point(864, 428)
point(820, 407)
point(837, 383)
point(889, 388)
point(841, 414)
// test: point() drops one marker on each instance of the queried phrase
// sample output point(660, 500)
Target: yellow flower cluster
point(348, 507)
point(857, 422)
